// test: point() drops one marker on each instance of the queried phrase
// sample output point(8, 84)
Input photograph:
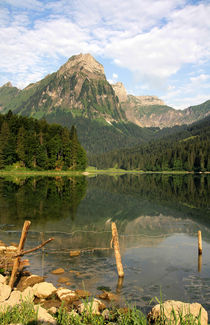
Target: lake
point(157, 217)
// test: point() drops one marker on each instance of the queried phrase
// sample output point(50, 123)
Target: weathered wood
point(34, 249)
point(199, 242)
point(117, 250)
point(20, 247)
point(199, 262)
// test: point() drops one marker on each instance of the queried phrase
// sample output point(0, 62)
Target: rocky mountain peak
point(120, 91)
point(8, 84)
point(149, 100)
point(84, 63)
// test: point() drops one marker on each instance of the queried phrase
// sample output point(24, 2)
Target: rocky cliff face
point(150, 111)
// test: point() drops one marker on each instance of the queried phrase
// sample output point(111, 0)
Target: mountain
point(105, 116)
point(150, 111)
point(77, 94)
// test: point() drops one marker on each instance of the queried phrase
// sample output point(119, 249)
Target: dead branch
point(34, 249)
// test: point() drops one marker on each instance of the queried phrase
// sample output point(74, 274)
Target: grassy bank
point(26, 313)
point(90, 171)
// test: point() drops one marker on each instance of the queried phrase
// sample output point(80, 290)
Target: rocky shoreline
point(48, 299)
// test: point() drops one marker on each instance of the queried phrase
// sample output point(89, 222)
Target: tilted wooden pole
point(199, 242)
point(117, 250)
point(20, 247)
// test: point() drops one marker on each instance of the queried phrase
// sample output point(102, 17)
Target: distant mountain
point(105, 116)
point(150, 111)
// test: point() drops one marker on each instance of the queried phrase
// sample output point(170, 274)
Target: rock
point(2, 249)
point(83, 293)
point(52, 310)
point(106, 314)
point(29, 281)
point(180, 308)
point(74, 253)
point(120, 91)
point(14, 299)
point(74, 272)
point(28, 294)
point(66, 295)
point(92, 307)
point(58, 271)
point(43, 289)
point(3, 279)
point(109, 296)
point(44, 317)
point(5, 291)
point(63, 279)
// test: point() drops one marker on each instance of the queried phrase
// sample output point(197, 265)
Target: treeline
point(172, 153)
point(39, 145)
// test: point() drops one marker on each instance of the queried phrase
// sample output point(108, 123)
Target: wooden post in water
point(199, 262)
point(199, 242)
point(20, 247)
point(117, 250)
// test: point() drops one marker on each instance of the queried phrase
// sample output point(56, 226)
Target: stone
point(28, 294)
point(2, 249)
point(109, 296)
point(66, 295)
point(44, 289)
point(52, 310)
point(5, 291)
point(3, 279)
point(44, 317)
point(58, 271)
point(63, 279)
point(29, 281)
point(83, 293)
point(178, 307)
point(74, 253)
point(92, 307)
point(106, 314)
point(16, 297)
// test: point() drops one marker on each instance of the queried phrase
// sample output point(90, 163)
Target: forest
point(38, 145)
point(187, 150)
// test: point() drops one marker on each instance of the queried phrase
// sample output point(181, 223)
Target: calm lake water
point(157, 216)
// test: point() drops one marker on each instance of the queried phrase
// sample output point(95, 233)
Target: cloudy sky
point(155, 47)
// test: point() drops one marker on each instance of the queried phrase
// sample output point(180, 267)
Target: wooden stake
point(199, 262)
point(20, 247)
point(119, 284)
point(199, 242)
point(117, 250)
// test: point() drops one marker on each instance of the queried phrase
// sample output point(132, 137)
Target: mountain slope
point(150, 111)
point(79, 86)
point(105, 116)
point(188, 149)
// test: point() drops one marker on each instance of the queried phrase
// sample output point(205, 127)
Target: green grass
point(20, 314)
point(25, 314)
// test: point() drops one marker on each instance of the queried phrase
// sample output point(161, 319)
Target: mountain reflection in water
point(157, 216)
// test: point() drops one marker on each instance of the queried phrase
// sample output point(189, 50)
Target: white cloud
point(202, 77)
point(152, 38)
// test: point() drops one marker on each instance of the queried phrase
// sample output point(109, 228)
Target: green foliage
point(38, 145)
point(168, 153)
point(23, 313)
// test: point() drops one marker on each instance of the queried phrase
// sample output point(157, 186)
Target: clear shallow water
point(157, 216)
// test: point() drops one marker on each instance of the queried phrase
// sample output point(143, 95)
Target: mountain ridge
point(79, 94)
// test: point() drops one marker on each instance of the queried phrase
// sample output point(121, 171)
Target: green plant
point(23, 313)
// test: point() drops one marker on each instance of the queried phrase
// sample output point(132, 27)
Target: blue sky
point(155, 47)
